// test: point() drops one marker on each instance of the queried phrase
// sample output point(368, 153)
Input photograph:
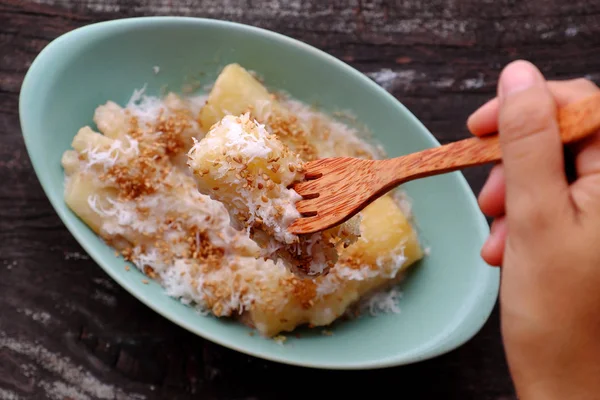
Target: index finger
point(484, 120)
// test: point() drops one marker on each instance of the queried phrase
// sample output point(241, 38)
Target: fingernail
point(477, 121)
point(518, 76)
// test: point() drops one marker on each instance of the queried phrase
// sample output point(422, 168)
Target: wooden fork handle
point(576, 121)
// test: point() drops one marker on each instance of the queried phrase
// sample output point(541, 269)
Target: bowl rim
point(483, 300)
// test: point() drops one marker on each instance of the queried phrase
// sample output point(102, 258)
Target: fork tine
point(306, 207)
point(311, 174)
point(303, 224)
point(307, 189)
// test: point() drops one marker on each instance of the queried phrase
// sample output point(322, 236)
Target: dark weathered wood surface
point(68, 332)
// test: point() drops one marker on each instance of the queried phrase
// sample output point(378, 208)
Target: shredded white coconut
point(249, 170)
point(384, 302)
point(130, 183)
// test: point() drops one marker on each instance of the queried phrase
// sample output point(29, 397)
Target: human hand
point(545, 236)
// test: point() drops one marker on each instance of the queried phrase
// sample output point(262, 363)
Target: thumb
point(532, 151)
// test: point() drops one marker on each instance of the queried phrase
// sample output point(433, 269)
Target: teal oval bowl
point(447, 297)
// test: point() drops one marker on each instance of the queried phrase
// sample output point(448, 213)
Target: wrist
point(552, 353)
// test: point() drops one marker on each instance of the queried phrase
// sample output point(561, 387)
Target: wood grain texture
point(338, 188)
point(68, 332)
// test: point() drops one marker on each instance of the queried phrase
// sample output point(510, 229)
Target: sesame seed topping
point(175, 234)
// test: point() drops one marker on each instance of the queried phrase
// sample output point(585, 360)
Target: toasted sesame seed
point(177, 237)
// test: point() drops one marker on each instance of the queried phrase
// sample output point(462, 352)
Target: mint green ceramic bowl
point(447, 297)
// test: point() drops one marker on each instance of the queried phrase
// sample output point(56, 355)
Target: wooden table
point(68, 332)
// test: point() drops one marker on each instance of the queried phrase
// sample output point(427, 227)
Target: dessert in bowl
point(173, 140)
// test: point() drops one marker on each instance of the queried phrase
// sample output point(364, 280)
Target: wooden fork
point(335, 189)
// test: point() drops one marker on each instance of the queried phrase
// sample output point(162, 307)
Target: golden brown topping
point(303, 290)
point(216, 281)
point(144, 174)
point(202, 249)
point(127, 253)
point(291, 133)
point(134, 127)
point(149, 271)
point(356, 262)
point(172, 131)
point(132, 182)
